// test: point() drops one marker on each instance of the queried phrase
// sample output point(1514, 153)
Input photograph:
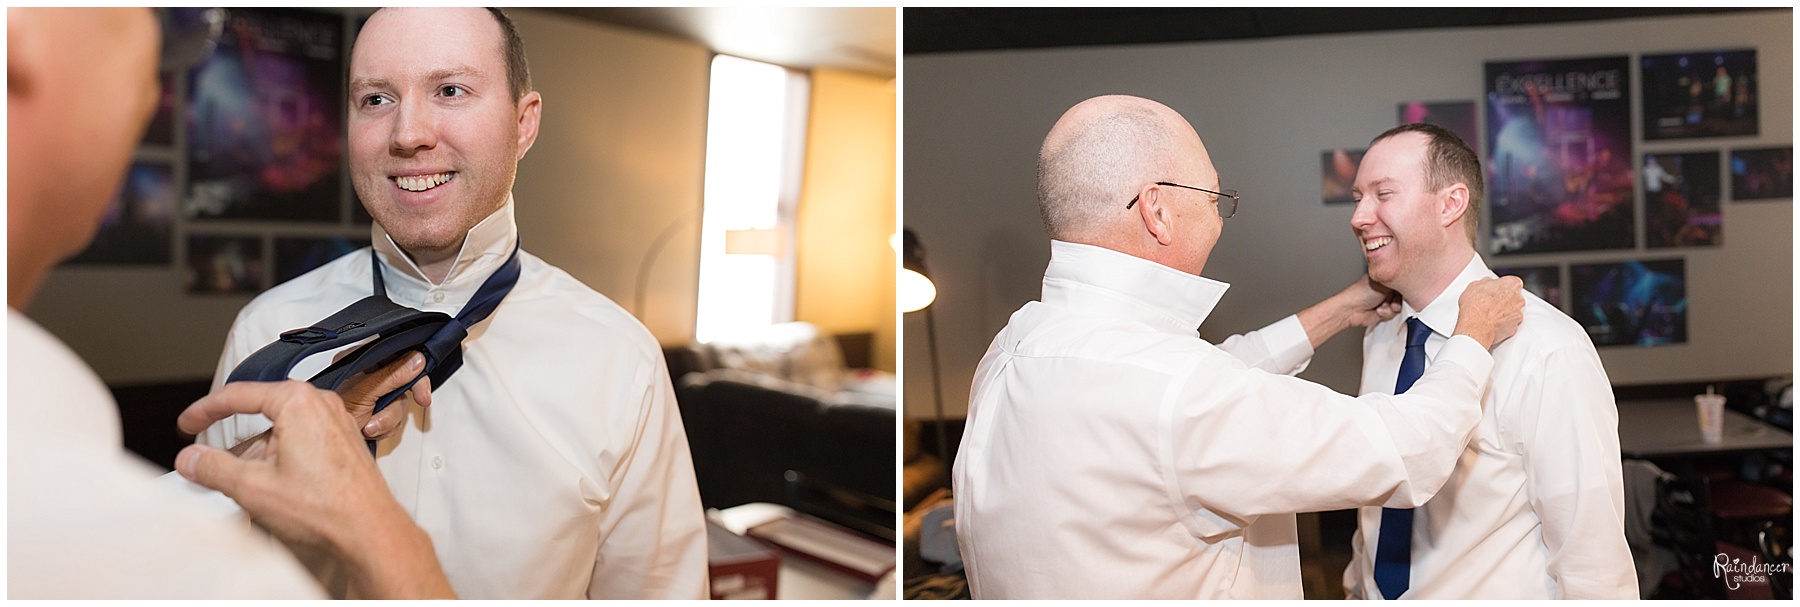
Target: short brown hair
point(1448, 161)
point(518, 72)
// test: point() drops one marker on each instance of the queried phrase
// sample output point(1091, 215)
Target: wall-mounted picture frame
point(1559, 172)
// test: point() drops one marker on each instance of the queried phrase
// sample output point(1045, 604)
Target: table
point(800, 578)
point(1671, 428)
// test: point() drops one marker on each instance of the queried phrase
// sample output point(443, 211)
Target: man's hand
point(1362, 304)
point(1367, 302)
point(362, 390)
point(314, 484)
point(359, 393)
point(1491, 309)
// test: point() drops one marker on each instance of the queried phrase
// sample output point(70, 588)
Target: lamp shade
point(914, 291)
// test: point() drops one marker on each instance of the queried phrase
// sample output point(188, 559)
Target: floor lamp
point(916, 293)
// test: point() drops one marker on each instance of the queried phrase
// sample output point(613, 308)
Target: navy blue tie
point(1393, 544)
point(398, 329)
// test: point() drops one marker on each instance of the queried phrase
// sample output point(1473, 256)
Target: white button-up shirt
point(1112, 453)
point(86, 519)
point(553, 464)
point(1535, 508)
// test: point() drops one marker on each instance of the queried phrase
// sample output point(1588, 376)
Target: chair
point(1777, 544)
point(1685, 526)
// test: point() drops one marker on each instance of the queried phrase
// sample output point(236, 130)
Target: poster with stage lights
point(1337, 169)
point(1559, 158)
point(301, 254)
point(1681, 200)
point(138, 222)
point(1641, 303)
point(1700, 94)
point(222, 265)
point(265, 127)
point(1764, 174)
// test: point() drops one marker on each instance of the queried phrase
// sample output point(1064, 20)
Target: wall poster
point(1559, 156)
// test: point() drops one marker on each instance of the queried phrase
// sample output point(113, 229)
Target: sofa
point(777, 416)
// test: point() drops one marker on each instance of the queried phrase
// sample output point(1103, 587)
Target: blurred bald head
point(75, 110)
point(1098, 155)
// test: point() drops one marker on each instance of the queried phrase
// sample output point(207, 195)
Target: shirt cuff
point(1289, 347)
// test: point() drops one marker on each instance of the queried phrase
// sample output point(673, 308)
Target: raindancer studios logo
point(1737, 572)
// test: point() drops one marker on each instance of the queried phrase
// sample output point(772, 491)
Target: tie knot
point(1416, 332)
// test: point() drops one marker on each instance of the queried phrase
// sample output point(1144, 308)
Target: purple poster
point(265, 119)
point(1634, 302)
point(1681, 200)
point(1559, 156)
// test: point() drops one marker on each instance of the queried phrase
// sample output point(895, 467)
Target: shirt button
point(437, 297)
point(437, 463)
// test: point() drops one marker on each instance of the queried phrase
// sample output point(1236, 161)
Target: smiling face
point(1398, 218)
point(435, 135)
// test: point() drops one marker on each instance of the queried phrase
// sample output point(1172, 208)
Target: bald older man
point(1112, 453)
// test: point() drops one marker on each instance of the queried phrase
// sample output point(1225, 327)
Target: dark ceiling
point(945, 30)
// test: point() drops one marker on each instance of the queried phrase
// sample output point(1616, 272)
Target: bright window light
point(747, 166)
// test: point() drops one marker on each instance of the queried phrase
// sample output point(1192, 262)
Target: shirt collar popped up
point(484, 249)
point(1096, 278)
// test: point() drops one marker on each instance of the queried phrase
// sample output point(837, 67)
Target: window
point(754, 141)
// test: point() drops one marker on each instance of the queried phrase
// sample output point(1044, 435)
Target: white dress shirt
point(1535, 508)
point(553, 464)
point(1112, 453)
point(86, 519)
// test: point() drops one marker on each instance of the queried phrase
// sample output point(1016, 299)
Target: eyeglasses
point(1225, 210)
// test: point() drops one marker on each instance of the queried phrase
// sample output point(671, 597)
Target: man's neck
point(1442, 271)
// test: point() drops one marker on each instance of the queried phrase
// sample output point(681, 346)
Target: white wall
point(973, 123)
point(619, 161)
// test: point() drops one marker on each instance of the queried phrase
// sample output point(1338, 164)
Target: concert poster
point(1642, 303)
point(265, 119)
point(1699, 94)
point(1559, 172)
point(220, 264)
point(1764, 174)
point(1681, 200)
